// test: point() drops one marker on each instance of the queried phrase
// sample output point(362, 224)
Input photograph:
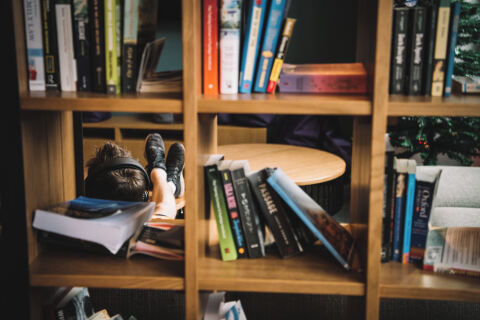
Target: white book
point(34, 43)
point(66, 54)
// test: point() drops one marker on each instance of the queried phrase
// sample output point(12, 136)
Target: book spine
point(111, 46)
point(147, 24)
point(52, 80)
point(234, 217)
point(82, 44)
point(33, 36)
point(432, 12)
point(269, 44)
point(292, 83)
point(409, 202)
point(230, 18)
point(399, 44)
point(225, 237)
point(97, 37)
point(210, 47)
point(400, 185)
point(387, 204)
point(440, 53)
point(423, 205)
point(129, 47)
point(251, 44)
point(416, 50)
point(280, 55)
point(452, 43)
point(434, 247)
point(118, 34)
point(248, 215)
point(68, 70)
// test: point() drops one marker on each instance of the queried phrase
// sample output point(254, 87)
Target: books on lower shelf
point(217, 309)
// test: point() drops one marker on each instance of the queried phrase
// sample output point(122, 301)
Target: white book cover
point(34, 43)
point(66, 55)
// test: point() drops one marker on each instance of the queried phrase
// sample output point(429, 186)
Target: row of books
point(250, 206)
point(423, 48)
point(88, 45)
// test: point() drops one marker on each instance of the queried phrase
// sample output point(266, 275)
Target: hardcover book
point(66, 53)
point(409, 203)
point(416, 50)
point(323, 78)
point(210, 47)
point(269, 44)
point(251, 44)
point(399, 50)
point(400, 193)
point(111, 60)
point(452, 42)
point(333, 236)
point(129, 47)
point(34, 44)
point(97, 47)
point(82, 44)
point(432, 12)
point(440, 52)
point(50, 47)
point(388, 202)
point(466, 84)
point(147, 24)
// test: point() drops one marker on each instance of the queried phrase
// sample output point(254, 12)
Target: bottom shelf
point(59, 267)
point(410, 282)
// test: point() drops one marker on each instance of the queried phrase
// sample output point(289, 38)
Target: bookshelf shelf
point(311, 272)
point(88, 101)
point(58, 267)
point(410, 282)
point(463, 105)
point(287, 104)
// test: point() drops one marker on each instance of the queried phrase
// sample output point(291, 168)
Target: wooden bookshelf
point(454, 106)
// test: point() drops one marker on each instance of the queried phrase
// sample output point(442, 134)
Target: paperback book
point(399, 49)
point(66, 53)
point(50, 46)
point(33, 36)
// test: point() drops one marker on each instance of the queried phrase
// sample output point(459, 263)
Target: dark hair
point(124, 184)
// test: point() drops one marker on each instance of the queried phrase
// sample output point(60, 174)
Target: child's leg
point(162, 194)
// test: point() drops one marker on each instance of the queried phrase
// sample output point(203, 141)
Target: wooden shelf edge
point(415, 292)
point(455, 106)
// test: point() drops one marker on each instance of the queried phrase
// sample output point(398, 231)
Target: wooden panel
point(236, 134)
point(456, 105)
point(286, 104)
point(133, 122)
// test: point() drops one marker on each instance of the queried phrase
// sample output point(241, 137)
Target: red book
point(210, 47)
point(323, 78)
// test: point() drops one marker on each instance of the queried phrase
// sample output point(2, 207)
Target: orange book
point(210, 47)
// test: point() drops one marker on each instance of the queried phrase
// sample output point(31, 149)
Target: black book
point(249, 215)
point(81, 44)
point(275, 213)
point(399, 50)
point(50, 47)
point(432, 13)
point(97, 46)
point(388, 204)
point(416, 50)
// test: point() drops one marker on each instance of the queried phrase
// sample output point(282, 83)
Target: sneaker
point(154, 152)
point(175, 165)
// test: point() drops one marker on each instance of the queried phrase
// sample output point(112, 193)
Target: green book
point(111, 56)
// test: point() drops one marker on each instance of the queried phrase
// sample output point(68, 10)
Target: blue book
point(409, 202)
point(400, 166)
point(251, 44)
point(452, 43)
point(333, 235)
point(269, 44)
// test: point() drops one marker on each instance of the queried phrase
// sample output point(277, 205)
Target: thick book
point(82, 44)
point(247, 209)
point(66, 52)
point(269, 44)
point(333, 236)
point(466, 84)
point(232, 208)
point(400, 192)
point(275, 214)
point(96, 15)
point(415, 52)
point(210, 47)
point(229, 45)
point(160, 240)
point(50, 47)
point(388, 201)
point(111, 60)
point(399, 50)
point(440, 52)
point(129, 46)
point(452, 43)
point(217, 199)
point(409, 203)
point(34, 45)
point(281, 52)
point(251, 43)
point(147, 24)
point(432, 12)
point(105, 222)
point(72, 303)
point(323, 78)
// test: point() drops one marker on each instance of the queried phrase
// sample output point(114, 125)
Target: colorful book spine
point(251, 44)
point(432, 12)
point(130, 30)
point(400, 188)
point(33, 36)
point(452, 43)
point(269, 44)
point(466, 84)
point(416, 50)
point(440, 53)
point(225, 237)
point(66, 53)
point(50, 47)
point(281, 53)
point(210, 47)
point(111, 47)
point(97, 47)
point(230, 26)
point(305, 83)
point(409, 203)
point(82, 44)
point(399, 50)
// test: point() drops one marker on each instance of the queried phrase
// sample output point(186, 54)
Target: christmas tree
point(467, 51)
